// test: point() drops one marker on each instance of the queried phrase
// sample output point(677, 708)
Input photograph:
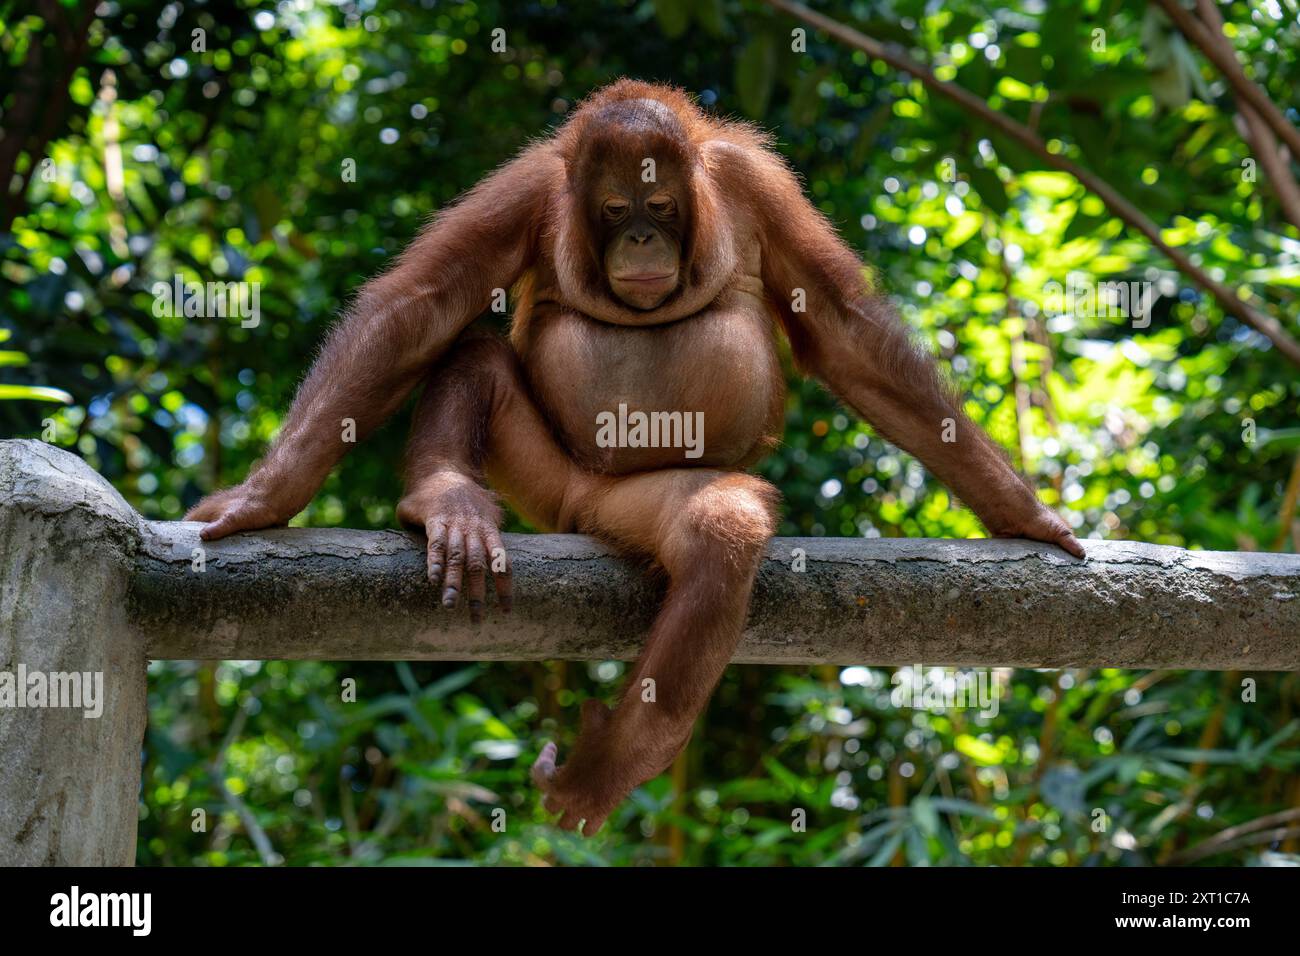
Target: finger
point(476, 564)
point(501, 579)
point(437, 532)
point(1071, 544)
point(455, 567)
point(592, 824)
point(543, 770)
point(570, 821)
point(229, 523)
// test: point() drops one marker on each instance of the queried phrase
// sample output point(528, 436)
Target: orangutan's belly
point(703, 391)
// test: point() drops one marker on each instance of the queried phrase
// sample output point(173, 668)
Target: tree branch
point(217, 773)
point(1225, 58)
point(1257, 134)
point(1232, 301)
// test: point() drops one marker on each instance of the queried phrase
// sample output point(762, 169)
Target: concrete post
point(69, 783)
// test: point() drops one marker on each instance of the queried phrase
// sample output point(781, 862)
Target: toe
point(543, 771)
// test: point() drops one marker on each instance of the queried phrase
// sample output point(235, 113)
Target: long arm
point(398, 325)
point(850, 337)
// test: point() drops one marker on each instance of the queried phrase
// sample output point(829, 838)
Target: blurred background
point(144, 139)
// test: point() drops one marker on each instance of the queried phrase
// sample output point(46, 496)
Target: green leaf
point(1282, 438)
point(755, 75)
point(963, 227)
point(674, 16)
point(782, 775)
point(711, 15)
point(966, 807)
point(452, 682)
point(978, 750)
point(1082, 225)
point(991, 189)
point(36, 393)
point(886, 852)
point(1013, 89)
point(925, 815)
point(805, 101)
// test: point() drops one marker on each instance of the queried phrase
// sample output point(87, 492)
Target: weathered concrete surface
point(362, 595)
point(87, 585)
point(69, 785)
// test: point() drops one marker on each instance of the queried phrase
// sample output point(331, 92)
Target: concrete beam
point(88, 586)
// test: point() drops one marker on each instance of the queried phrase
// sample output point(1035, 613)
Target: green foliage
point(231, 162)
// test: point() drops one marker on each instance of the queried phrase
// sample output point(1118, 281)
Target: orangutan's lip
point(645, 278)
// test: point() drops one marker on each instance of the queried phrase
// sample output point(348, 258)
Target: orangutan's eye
point(662, 206)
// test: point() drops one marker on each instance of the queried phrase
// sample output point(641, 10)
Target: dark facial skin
point(641, 226)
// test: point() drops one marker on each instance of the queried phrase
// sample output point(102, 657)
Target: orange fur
point(520, 415)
